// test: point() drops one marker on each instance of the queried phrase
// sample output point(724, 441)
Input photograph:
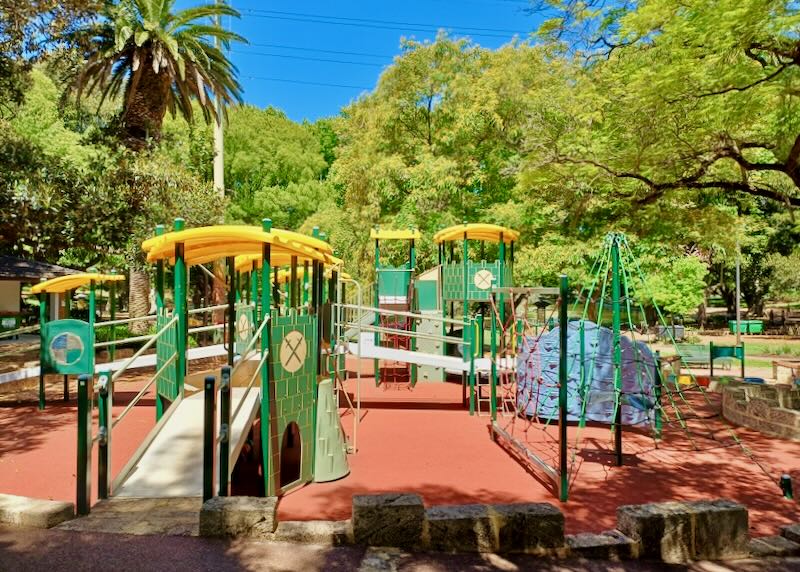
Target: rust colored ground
point(423, 441)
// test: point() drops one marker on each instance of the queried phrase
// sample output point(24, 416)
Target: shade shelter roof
point(72, 281)
point(409, 234)
point(26, 270)
point(205, 244)
point(477, 231)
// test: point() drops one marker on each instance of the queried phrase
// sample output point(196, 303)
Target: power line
point(303, 49)
point(376, 21)
point(286, 56)
point(373, 26)
point(301, 82)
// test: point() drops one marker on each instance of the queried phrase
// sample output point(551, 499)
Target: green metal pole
point(501, 267)
point(224, 431)
point(742, 360)
point(43, 341)
point(112, 300)
point(465, 312)
point(266, 337)
point(104, 440)
point(377, 323)
point(84, 472)
point(181, 342)
point(412, 259)
point(231, 308)
point(616, 326)
point(160, 229)
point(711, 358)
point(493, 343)
point(657, 389)
point(92, 307)
point(209, 435)
point(254, 293)
point(67, 300)
point(563, 327)
point(305, 282)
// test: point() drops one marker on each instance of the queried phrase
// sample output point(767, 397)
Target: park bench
point(693, 355)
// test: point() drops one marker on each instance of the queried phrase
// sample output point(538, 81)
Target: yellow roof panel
point(247, 262)
point(380, 234)
point(476, 231)
point(72, 281)
point(209, 243)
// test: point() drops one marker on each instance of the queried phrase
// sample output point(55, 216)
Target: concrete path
point(60, 550)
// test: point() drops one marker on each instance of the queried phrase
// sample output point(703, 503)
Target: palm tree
point(156, 59)
point(153, 59)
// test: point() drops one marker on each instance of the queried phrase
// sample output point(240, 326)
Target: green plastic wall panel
point(481, 278)
point(427, 295)
point(294, 367)
point(394, 281)
point(431, 327)
point(69, 347)
point(330, 457)
point(245, 327)
point(166, 346)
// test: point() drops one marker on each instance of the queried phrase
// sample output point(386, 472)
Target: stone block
point(787, 417)
point(528, 527)
point(461, 528)
point(238, 516)
point(791, 532)
point(773, 546)
point(610, 545)
point(321, 532)
point(685, 531)
point(394, 519)
point(34, 513)
point(663, 529)
point(720, 530)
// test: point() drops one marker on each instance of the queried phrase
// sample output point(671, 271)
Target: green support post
point(305, 282)
point(563, 327)
point(616, 327)
point(224, 431)
point(209, 435)
point(67, 300)
point(493, 345)
point(181, 342)
point(742, 360)
point(711, 358)
point(500, 279)
point(231, 308)
point(465, 312)
point(468, 354)
point(42, 346)
point(377, 323)
point(112, 302)
point(266, 420)
point(412, 258)
point(84, 472)
point(657, 389)
point(104, 404)
point(254, 293)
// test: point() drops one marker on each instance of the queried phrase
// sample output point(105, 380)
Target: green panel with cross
point(293, 360)
point(481, 278)
point(245, 327)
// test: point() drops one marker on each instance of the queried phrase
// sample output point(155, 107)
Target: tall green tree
point(156, 58)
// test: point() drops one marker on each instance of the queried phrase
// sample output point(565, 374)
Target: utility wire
point(305, 58)
point(373, 26)
point(301, 82)
point(376, 21)
point(304, 49)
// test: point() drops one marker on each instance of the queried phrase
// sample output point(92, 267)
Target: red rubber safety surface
point(422, 441)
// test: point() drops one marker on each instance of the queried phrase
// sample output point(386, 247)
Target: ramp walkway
point(170, 461)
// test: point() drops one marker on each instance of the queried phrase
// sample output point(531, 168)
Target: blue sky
point(288, 40)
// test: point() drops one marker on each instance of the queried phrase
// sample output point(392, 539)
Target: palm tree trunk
point(139, 300)
point(146, 107)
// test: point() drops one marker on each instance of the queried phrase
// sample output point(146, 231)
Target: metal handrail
point(199, 329)
point(125, 321)
point(143, 349)
point(123, 341)
point(18, 331)
point(408, 333)
point(250, 344)
point(143, 391)
point(249, 385)
point(207, 309)
point(367, 309)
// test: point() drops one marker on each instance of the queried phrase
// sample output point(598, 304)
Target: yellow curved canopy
point(72, 281)
point(476, 231)
point(285, 275)
point(380, 234)
point(209, 243)
point(249, 262)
